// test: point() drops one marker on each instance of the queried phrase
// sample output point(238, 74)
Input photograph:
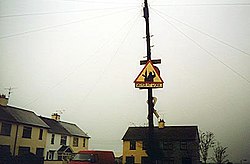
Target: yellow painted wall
point(138, 153)
point(80, 144)
point(32, 142)
point(9, 140)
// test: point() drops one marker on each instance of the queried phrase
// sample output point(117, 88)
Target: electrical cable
point(96, 2)
point(211, 4)
point(209, 53)
point(112, 58)
point(59, 12)
point(204, 33)
point(78, 66)
point(59, 25)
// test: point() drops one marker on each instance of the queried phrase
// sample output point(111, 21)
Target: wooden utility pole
point(150, 79)
point(150, 150)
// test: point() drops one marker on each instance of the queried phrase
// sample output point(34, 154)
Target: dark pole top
point(146, 16)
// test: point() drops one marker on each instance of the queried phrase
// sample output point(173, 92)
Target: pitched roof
point(65, 149)
point(5, 116)
point(55, 126)
point(18, 115)
point(73, 129)
point(60, 127)
point(167, 133)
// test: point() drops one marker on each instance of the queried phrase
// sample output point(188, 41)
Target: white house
point(63, 139)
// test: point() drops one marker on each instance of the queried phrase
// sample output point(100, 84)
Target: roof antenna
point(10, 91)
point(60, 111)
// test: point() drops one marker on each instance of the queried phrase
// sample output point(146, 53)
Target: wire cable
point(97, 2)
point(204, 33)
point(197, 44)
point(59, 12)
point(59, 25)
point(77, 67)
point(111, 60)
point(208, 4)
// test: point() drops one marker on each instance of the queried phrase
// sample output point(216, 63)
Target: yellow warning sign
point(149, 77)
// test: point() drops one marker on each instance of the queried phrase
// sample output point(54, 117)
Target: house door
point(186, 161)
point(130, 160)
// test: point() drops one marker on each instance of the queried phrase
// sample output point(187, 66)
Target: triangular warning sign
point(149, 77)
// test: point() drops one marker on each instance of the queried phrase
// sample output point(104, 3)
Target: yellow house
point(21, 131)
point(175, 144)
point(133, 151)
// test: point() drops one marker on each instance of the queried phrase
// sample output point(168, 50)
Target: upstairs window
point(167, 145)
point(52, 141)
point(183, 145)
point(63, 140)
point(41, 134)
point(5, 129)
point(27, 132)
point(132, 145)
point(75, 141)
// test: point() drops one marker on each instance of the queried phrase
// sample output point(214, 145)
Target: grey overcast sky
point(82, 56)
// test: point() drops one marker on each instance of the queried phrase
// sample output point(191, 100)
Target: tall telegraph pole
point(149, 79)
point(150, 92)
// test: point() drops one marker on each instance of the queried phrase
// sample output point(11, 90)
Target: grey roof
point(22, 116)
point(170, 133)
point(55, 126)
point(73, 129)
point(5, 116)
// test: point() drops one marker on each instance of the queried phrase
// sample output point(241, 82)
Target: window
point(5, 129)
point(183, 145)
point(145, 160)
point(39, 152)
point(167, 145)
point(63, 140)
point(84, 142)
point(5, 150)
point(41, 134)
point(63, 156)
point(27, 132)
point(130, 160)
point(75, 141)
point(132, 145)
point(186, 161)
point(168, 160)
point(23, 150)
point(52, 141)
point(50, 155)
point(60, 157)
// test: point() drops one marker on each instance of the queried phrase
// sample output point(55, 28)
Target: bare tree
point(220, 155)
point(207, 140)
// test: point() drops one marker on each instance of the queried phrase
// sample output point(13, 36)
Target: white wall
point(55, 146)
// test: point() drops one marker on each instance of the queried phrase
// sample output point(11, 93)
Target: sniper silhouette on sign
point(149, 77)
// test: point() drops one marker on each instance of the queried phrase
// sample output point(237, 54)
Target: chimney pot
point(55, 116)
point(161, 124)
point(3, 100)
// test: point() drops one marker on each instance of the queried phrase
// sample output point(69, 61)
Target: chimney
point(55, 116)
point(161, 124)
point(3, 100)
